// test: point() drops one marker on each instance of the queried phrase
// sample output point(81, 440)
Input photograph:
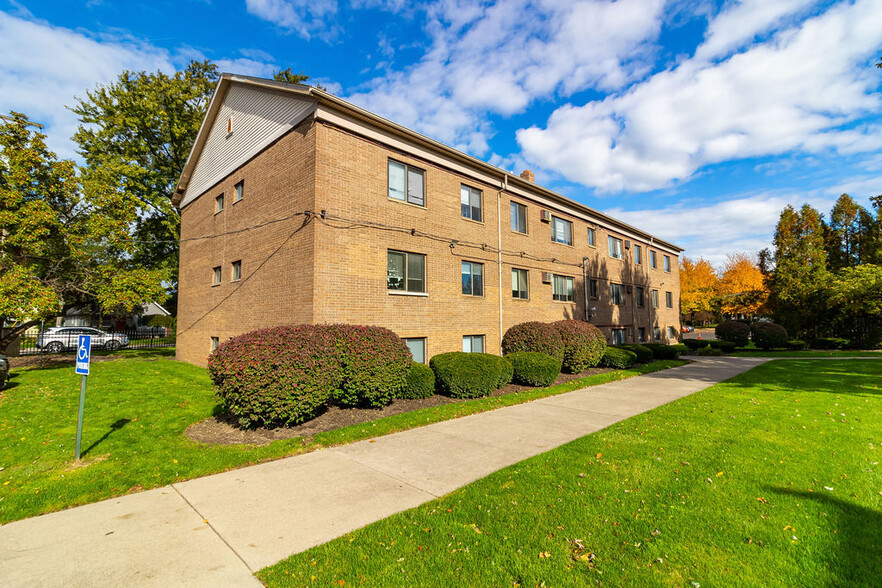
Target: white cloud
point(307, 18)
point(793, 92)
point(247, 66)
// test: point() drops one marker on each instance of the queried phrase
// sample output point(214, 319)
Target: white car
point(59, 339)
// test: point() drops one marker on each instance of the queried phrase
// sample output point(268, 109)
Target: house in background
point(299, 207)
point(84, 317)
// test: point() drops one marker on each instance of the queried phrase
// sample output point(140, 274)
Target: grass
point(137, 410)
point(769, 479)
point(808, 353)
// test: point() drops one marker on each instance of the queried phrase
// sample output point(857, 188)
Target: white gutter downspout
point(499, 251)
point(585, 287)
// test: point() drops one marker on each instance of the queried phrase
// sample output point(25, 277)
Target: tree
point(855, 296)
point(850, 235)
point(742, 286)
point(698, 287)
point(135, 135)
point(58, 248)
point(289, 77)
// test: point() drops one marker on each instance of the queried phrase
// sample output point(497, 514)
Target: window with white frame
point(638, 295)
point(592, 237)
point(669, 300)
point(562, 287)
point(236, 271)
point(218, 203)
point(473, 343)
point(638, 254)
point(470, 203)
point(653, 262)
point(618, 336)
point(215, 343)
point(472, 278)
point(561, 231)
point(672, 333)
point(615, 247)
point(666, 259)
point(239, 192)
point(520, 284)
point(518, 217)
point(217, 274)
point(617, 294)
point(656, 333)
point(417, 347)
point(407, 183)
point(654, 296)
point(406, 272)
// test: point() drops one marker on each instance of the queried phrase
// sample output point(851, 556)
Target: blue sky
point(696, 120)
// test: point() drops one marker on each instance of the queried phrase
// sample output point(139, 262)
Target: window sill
point(235, 281)
point(617, 258)
point(471, 220)
point(564, 244)
point(217, 212)
point(564, 301)
point(520, 299)
point(420, 206)
point(519, 233)
point(405, 293)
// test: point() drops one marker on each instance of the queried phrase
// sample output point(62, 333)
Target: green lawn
point(137, 410)
point(808, 353)
point(769, 479)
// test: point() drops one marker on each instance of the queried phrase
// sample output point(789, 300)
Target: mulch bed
point(222, 430)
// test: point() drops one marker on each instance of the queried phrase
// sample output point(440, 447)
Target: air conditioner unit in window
point(546, 216)
point(546, 277)
point(627, 244)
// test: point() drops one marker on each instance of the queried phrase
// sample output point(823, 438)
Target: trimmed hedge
point(614, 357)
point(767, 335)
point(420, 382)
point(533, 369)
point(470, 375)
point(533, 336)
point(286, 375)
point(797, 345)
point(643, 353)
point(735, 331)
point(830, 343)
point(583, 345)
point(707, 350)
point(663, 351)
point(724, 346)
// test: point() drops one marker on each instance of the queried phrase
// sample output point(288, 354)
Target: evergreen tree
point(850, 234)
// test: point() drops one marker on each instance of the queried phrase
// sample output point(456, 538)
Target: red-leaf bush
point(533, 336)
point(583, 345)
point(285, 375)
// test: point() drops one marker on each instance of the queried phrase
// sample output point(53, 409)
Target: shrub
point(707, 350)
point(469, 375)
point(420, 381)
point(767, 335)
point(797, 345)
point(533, 336)
point(533, 369)
point(662, 351)
point(643, 353)
point(583, 345)
point(724, 346)
point(735, 331)
point(374, 362)
point(614, 357)
point(278, 376)
point(830, 343)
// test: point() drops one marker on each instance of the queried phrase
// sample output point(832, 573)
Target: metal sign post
point(84, 356)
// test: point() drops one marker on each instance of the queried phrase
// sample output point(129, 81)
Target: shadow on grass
point(847, 378)
point(858, 540)
point(114, 427)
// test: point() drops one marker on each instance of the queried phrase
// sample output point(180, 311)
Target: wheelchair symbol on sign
point(83, 352)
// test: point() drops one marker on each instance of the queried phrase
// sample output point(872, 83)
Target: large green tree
point(851, 236)
point(62, 242)
point(855, 295)
point(135, 135)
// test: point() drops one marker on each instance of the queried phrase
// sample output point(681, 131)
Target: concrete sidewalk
point(219, 529)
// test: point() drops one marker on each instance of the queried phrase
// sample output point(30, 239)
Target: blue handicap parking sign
point(84, 354)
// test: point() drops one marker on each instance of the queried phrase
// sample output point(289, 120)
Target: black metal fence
point(64, 339)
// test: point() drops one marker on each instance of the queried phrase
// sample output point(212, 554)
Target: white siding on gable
point(259, 118)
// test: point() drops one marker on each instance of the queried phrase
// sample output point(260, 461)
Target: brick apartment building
point(298, 207)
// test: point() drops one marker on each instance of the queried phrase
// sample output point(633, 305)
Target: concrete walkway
point(219, 529)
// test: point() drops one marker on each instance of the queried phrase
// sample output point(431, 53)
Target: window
point(470, 200)
point(617, 294)
point(473, 343)
point(672, 334)
point(592, 288)
point(417, 348)
point(236, 273)
point(563, 288)
point(641, 335)
point(667, 263)
point(406, 183)
point(406, 272)
point(518, 217)
point(656, 333)
point(217, 276)
point(561, 231)
point(639, 297)
point(615, 247)
point(669, 300)
point(219, 204)
point(654, 296)
point(240, 192)
point(215, 341)
point(472, 278)
point(520, 284)
point(618, 336)
point(592, 237)
point(638, 254)
point(653, 263)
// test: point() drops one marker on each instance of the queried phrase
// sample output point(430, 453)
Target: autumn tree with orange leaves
point(698, 289)
point(742, 286)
